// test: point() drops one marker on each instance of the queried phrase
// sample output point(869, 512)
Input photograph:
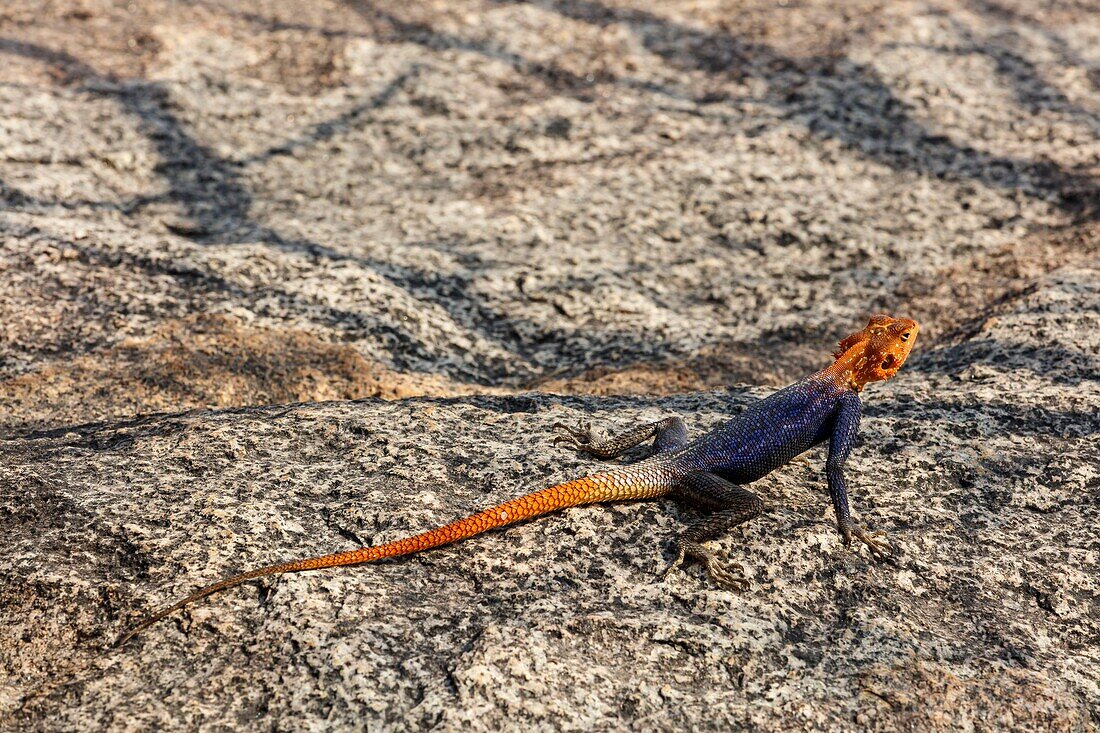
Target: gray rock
point(283, 278)
point(979, 460)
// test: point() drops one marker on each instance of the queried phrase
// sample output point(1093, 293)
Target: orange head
point(875, 353)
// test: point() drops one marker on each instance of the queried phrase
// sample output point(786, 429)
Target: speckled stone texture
point(281, 278)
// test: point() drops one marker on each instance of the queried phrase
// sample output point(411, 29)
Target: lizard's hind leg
point(733, 505)
point(671, 433)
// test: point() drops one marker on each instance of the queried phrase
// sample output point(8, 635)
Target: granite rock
point(283, 278)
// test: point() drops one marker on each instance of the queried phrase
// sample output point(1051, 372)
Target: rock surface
point(361, 256)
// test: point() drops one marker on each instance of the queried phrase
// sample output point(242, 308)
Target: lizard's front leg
point(671, 433)
point(733, 505)
point(840, 445)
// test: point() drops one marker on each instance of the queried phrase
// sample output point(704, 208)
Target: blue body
point(773, 431)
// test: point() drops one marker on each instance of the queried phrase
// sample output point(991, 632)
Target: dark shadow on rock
point(339, 124)
point(216, 204)
point(44, 508)
point(1057, 363)
point(555, 78)
point(997, 12)
point(1021, 75)
point(509, 332)
point(70, 69)
point(208, 187)
point(978, 420)
point(199, 281)
point(13, 199)
point(455, 294)
point(112, 434)
point(217, 207)
point(855, 108)
point(388, 28)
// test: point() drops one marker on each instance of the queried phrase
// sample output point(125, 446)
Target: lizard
point(710, 471)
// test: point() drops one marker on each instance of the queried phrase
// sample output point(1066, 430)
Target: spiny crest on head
point(876, 325)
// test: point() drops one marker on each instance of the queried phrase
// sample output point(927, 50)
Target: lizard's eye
point(905, 336)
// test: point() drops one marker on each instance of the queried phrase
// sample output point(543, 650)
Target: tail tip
point(121, 640)
point(130, 634)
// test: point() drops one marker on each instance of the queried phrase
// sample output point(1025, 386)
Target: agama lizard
point(709, 471)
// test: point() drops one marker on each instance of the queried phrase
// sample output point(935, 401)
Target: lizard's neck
point(851, 370)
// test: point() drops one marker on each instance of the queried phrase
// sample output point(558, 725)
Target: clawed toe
point(725, 578)
point(880, 550)
point(876, 543)
point(577, 436)
point(723, 575)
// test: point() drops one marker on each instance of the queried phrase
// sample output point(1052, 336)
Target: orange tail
point(633, 482)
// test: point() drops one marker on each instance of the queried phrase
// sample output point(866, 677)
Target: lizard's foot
point(876, 542)
point(576, 438)
point(725, 577)
point(723, 574)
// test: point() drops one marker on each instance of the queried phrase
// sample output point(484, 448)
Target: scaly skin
point(708, 471)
